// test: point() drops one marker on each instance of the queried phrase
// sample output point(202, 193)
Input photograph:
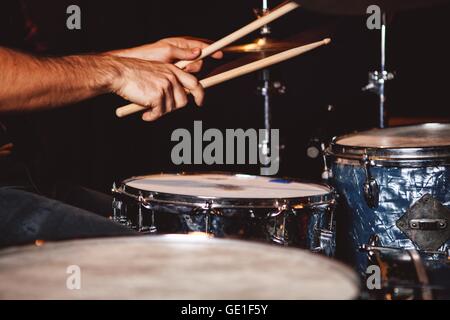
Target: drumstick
point(237, 72)
point(255, 25)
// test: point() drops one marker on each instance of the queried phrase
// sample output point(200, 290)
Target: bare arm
point(30, 83)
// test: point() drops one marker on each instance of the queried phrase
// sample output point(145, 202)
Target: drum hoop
point(398, 157)
point(224, 203)
point(395, 156)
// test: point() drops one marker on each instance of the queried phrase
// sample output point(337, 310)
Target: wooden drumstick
point(237, 72)
point(253, 26)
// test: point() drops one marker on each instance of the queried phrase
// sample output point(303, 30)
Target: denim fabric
point(26, 217)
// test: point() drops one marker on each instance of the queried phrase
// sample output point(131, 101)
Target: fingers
point(191, 83)
point(179, 53)
point(155, 110)
point(151, 115)
point(175, 95)
point(194, 67)
point(217, 55)
point(202, 44)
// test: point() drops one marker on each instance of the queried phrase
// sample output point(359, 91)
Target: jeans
point(26, 217)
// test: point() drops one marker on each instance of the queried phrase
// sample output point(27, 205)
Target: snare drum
point(393, 184)
point(230, 205)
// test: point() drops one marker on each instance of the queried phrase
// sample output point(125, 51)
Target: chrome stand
point(377, 79)
point(267, 89)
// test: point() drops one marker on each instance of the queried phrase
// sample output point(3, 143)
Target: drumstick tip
point(326, 41)
point(119, 113)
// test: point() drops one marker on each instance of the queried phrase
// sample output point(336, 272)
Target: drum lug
point(278, 234)
point(281, 208)
point(145, 204)
point(326, 243)
point(118, 211)
point(371, 188)
point(118, 216)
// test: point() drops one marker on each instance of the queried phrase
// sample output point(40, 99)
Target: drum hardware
point(266, 91)
point(327, 174)
point(325, 236)
point(317, 145)
point(371, 188)
point(209, 211)
point(145, 204)
point(119, 212)
point(278, 233)
point(399, 289)
point(272, 88)
point(377, 79)
point(426, 223)
point(421, 274)
point(326, 240)
point(374, 244)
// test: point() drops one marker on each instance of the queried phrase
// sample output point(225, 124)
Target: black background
point(86, 144)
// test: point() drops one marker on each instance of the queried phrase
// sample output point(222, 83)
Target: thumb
point(185, 53)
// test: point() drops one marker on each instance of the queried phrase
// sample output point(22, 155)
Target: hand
point(6, 150)
point(171, 50)
point(158, 86)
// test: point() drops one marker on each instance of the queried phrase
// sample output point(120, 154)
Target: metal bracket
point(377, 79)
point(426, 223)
point(371, 188)
point(273, 88)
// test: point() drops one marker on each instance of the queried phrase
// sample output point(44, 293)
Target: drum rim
point(225, 203)
point(397, 156)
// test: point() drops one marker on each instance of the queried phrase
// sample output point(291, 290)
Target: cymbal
point(258, 50)
point(263, 45)
point(192, 267)
point(359, 7)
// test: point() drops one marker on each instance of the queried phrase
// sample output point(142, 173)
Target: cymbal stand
point(377, 79)
point(266, 90)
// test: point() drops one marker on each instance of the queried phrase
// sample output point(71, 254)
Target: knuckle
point(184, 101)
point(172, 78)
point(165, 84)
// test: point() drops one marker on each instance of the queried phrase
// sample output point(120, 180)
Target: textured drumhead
point(172, 267)
point(227, 186)
point(420, 136)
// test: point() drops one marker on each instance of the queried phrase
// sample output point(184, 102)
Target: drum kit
point(385, 202)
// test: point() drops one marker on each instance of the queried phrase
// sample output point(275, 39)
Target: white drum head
point(172, 267)
point(209, 185)
point(420, 136)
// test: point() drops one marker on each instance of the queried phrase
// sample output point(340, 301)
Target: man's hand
point(159, 86)
point(171, 50)
point(30, 83)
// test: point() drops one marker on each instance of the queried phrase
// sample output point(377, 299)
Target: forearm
point(29, 83)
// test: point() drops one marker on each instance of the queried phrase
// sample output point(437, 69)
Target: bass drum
point(237, 206)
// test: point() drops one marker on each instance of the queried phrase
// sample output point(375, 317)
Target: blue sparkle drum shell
point(382, 176)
